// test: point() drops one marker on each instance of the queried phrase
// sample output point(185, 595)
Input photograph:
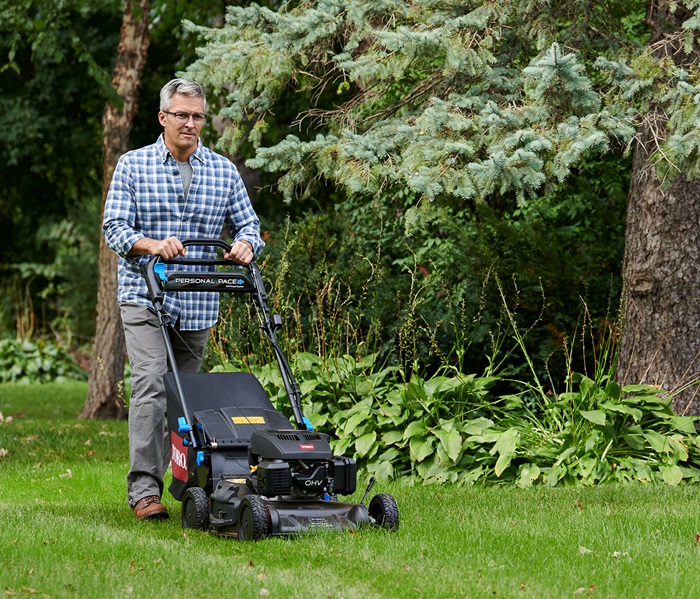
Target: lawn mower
point(239, 467)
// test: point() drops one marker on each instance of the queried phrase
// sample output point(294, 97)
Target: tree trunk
point(661, 294)
point(661, 287)
point(105, 397)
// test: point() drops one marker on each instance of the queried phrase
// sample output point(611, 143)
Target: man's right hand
point(165, 248)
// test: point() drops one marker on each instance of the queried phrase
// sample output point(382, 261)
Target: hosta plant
point(454, 429)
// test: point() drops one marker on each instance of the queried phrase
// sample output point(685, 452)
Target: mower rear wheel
point(252, 519)
point(195, 508)
point(384, 512)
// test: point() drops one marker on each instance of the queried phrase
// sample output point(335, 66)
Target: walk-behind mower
point(239, 467)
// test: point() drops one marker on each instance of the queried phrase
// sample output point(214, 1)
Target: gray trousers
point(149, 443)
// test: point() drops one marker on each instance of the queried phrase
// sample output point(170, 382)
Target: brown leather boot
point(150, 508)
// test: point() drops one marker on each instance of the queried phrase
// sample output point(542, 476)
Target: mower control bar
point(239, 280)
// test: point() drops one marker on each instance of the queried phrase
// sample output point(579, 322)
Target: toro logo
point(178, 457)
point(307, 446)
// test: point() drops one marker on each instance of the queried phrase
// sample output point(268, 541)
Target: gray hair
point(185, 87)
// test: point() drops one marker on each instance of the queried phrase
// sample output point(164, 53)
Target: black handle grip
point(202, 261)
point(210, 242)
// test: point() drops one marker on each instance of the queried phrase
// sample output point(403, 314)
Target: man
point(160, 194)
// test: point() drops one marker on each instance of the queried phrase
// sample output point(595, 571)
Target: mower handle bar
point(156, 294)
point(154, 290)
point(203, 261)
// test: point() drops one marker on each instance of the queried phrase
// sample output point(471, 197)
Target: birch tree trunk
point(105, 397)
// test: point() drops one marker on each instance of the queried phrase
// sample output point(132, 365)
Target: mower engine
point(299, 463)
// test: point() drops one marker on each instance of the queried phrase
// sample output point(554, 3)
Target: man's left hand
point(241, 252)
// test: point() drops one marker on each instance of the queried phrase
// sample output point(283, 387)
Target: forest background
point(443, 188)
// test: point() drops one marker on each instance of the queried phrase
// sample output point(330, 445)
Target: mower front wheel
point(384, 512)
point(195, 508)
point(252, 519)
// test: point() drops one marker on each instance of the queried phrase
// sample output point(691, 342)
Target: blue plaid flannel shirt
point(146, 199)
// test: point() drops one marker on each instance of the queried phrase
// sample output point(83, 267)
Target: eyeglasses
point(183, 117)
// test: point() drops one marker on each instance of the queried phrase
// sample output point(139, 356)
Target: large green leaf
point(392, 436)
point(528, 474)
point(421, 447)
point(476, 427)
point(429, 468)
point(364, 444)
point(658, 442)
point(672, 475)
point(594, 416)
point(636, 413)
point(308, 386)
point(569, 451)
point(642, 390)
point(555, 474)
point(685, 424)
point(415, 428)
point(415, 392)
point(593, 439)
point(587, 466)
point(451, 441)
point(613, 390)
point(678, 447)
point(341, 446)
point(502, 463)
point(505, 446)
point(318, 420)
point(307, 361)
point(634, 441)
point(354, 421)
point(390, 454)
point(506, 442)
point(440, 384)
point(383, 470)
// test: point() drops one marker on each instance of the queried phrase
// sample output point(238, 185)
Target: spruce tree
point(470, 101)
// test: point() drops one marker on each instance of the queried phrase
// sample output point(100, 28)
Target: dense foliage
point(437, 149)
point(453, 427)
point(56, 70)
point(348, 281)
point(25, 361)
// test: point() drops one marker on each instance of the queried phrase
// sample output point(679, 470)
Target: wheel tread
point(384, 511)
point(258, 514)
point(195, 499)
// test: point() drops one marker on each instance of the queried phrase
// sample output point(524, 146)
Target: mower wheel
point(195, 508)
point(252, 519)
point(384, 512)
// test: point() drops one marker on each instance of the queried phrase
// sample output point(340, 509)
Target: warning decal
point(248, 419)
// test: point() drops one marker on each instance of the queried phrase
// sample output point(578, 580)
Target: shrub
point(453, 428)
point(40, 361)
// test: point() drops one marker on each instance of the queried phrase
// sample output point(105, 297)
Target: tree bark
point(105, 399)
point(661, 288)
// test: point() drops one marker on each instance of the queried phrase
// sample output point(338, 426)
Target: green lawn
point(66, 531)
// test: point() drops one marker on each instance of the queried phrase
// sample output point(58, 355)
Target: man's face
point(181, 137)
